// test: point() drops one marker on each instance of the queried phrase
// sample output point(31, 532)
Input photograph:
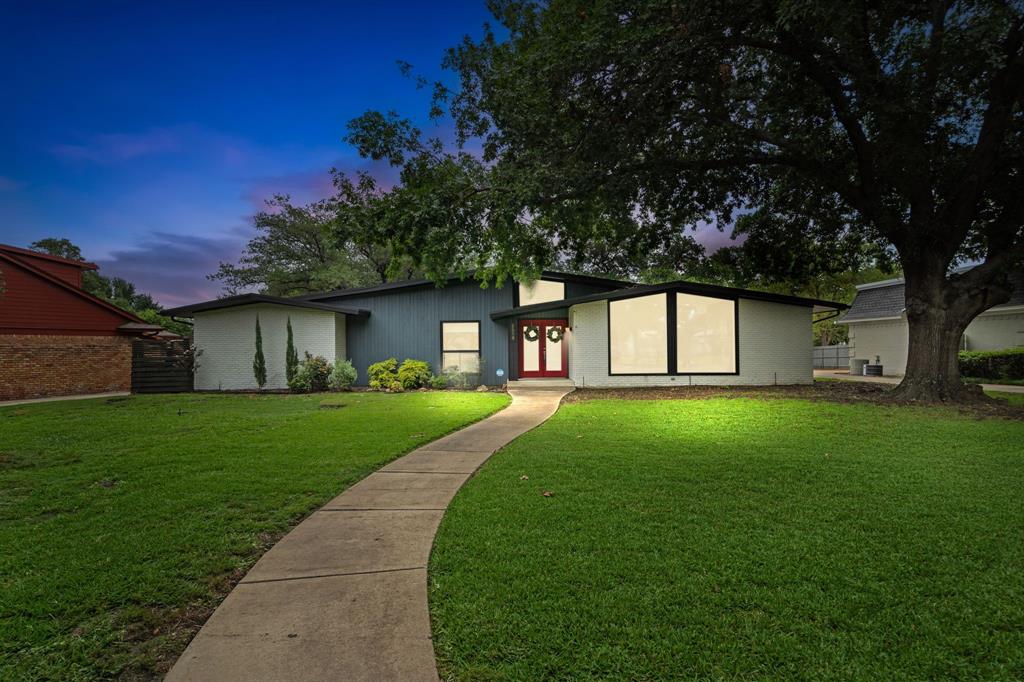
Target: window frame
point(479, 341)
point(671, 336)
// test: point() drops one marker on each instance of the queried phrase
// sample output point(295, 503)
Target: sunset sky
point(149, 133)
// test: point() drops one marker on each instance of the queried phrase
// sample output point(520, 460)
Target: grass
point(738, 539)
point(123, 522)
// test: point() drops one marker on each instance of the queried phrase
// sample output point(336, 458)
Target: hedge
point(993, 364)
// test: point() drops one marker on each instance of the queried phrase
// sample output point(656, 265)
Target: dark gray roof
point(887, 300)
point(878, 302)
point(413, 283)
point(248, 299)
point(681, 285)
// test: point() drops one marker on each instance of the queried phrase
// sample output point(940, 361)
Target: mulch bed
point(828, 391)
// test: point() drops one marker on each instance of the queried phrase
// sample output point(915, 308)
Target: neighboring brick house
point(577, 329)
point(55, 338)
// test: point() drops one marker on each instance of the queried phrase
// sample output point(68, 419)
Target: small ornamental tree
point(291, 356)
point(259, 363)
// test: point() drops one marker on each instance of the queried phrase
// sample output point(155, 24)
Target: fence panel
point(831, 357)
point(161, 367)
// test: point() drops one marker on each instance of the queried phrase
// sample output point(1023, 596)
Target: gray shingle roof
point(888, 301)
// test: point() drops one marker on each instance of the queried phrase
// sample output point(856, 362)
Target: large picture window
point(460, 346)
point(638, 335)
point(705, 335)
point(541, 291)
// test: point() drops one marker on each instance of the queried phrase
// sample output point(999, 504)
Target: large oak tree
point(606, 126)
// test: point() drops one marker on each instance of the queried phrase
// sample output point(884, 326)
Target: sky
point(150, 133)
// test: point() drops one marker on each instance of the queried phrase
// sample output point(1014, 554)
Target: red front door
point(542, 349)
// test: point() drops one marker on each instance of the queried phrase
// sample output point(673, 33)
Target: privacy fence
point(161, 366)
point(832, 357)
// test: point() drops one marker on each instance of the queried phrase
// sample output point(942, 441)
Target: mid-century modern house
point(593, 331)
point(877, 321)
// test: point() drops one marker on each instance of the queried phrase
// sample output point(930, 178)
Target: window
point(705, 335)
point(460, 346)
point(638, 335)
point(541, 291)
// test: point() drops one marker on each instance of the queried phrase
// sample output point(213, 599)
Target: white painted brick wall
point(775, 347)
point(227, 338)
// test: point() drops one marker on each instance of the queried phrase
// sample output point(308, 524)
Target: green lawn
point(738, 539)
point(122, 521)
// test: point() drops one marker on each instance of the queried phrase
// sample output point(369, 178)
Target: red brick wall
point(37, 366)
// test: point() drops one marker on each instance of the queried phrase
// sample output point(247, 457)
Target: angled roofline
point(249, 299)
point(413, 283)
point(679, 285)
point(17, 250)
point(880, 283)
point(81, 293)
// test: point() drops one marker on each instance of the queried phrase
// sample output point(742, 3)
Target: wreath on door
point(531, 332)
point(555, 334)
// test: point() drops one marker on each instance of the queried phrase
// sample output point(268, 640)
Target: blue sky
point(149, 133)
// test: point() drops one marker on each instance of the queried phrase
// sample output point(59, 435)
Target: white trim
point(879, 284)
point(1002, 310)
point(870, 319)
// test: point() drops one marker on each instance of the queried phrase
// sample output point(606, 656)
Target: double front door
point(542, 349)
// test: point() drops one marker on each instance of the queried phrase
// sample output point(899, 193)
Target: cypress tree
point(259, 364)
point(291, 356)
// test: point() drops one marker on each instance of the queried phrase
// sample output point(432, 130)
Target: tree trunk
point(933, 369)
point(938, 312)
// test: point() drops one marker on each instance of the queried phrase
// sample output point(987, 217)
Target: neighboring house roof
point(413, 283)
point(64, 268)
point(37, 300)
point(886, 300)
point(681, 285)
point(249, 299)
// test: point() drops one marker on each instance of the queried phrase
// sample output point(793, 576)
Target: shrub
point(312, 375)
point(291, 356)
point(438, 381)
point(454, 378)
point(993, 364)
point(395, 387)
point(414, 373)
point(259, 363)
point(382, 374)
point(343, 375)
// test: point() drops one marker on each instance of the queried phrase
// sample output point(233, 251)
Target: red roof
point(40, 296)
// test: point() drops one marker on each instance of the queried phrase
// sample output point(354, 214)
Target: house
point(877, 322)
point(588, 330)
point(56, 338)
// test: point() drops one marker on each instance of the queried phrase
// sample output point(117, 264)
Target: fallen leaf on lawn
point(524, 477)
point(548, 493)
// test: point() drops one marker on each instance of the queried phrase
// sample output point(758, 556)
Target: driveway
point(343, 596)
point(844, 375)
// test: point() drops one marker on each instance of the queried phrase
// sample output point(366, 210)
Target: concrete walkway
point(343, 596)
point(844, 375)
point(53, 399)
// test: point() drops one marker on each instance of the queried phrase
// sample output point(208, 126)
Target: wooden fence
point(161, 366)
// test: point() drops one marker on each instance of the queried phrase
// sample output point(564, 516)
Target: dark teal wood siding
point(407, 324)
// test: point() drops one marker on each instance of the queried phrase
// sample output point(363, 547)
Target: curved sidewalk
point(343, 596)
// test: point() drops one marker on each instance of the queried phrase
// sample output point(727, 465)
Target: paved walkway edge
point(343, 596)
point(843, 375)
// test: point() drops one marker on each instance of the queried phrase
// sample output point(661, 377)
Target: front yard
point(123, 521)
point(738, 538)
